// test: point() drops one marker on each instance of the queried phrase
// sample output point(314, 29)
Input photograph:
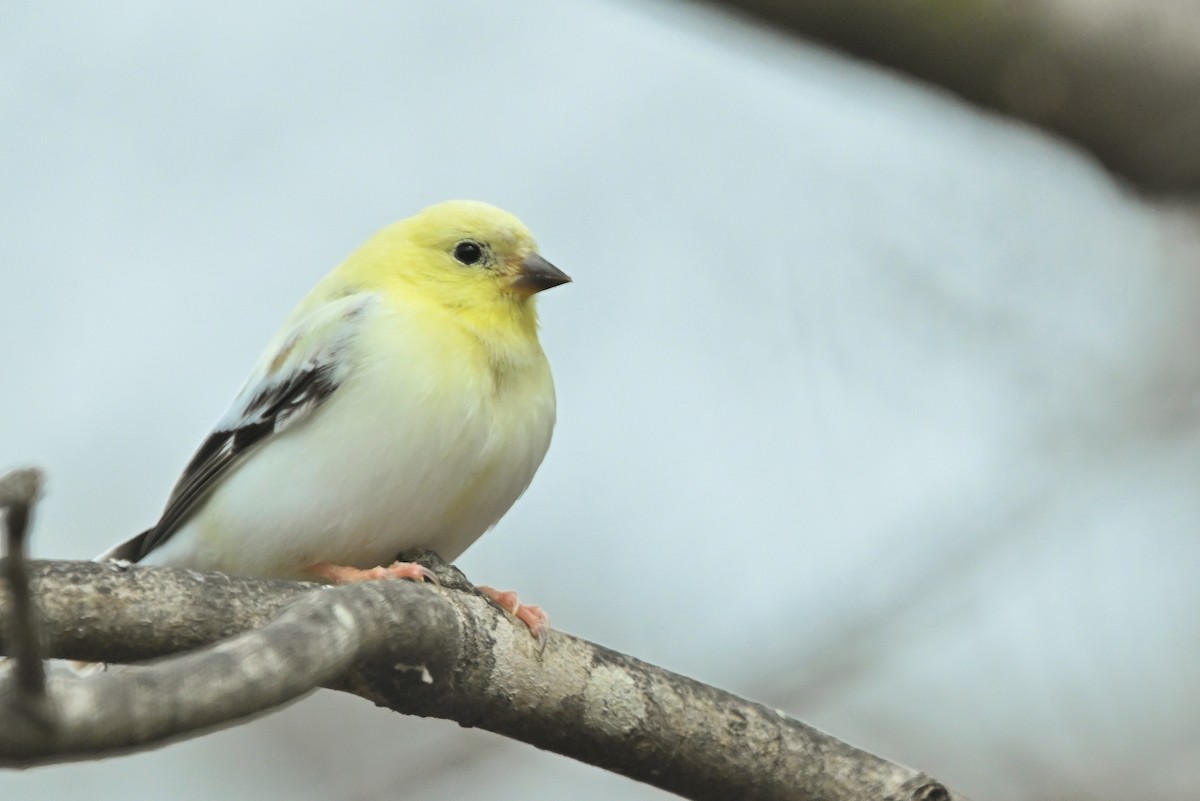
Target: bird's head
point(471, 257)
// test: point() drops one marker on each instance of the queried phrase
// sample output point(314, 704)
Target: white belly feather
point(348, 488)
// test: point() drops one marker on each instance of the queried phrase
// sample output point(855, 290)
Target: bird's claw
point(534, 618)
point(339, 574)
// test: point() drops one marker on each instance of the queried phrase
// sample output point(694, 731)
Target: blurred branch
point(27, 702)
point(417, 650)
point(1119, 77)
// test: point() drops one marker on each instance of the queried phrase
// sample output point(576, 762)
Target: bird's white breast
point(423, 445)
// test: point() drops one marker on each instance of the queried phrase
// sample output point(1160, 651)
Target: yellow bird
point(405, 403)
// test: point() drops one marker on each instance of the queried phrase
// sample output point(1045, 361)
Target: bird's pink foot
point(339, 574)
point(537, 621)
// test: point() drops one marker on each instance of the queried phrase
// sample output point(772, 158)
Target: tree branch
point(1119, 77)
point(18, 494)
point(419, 650)
point(27, 704)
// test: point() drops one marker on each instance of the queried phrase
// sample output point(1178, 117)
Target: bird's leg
point(448, 576)
point(537, 621)
point(340, 574)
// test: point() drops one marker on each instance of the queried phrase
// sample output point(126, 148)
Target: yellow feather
point(412, 258)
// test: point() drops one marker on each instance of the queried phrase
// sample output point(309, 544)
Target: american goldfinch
point(405, 403)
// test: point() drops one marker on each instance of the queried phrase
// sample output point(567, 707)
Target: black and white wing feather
point(300, 370)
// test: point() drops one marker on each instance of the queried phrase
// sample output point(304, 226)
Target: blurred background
point(875, 406)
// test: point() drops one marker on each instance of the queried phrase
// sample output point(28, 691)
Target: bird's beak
point(537, 274)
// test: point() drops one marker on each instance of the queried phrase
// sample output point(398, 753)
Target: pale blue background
point(873, 407)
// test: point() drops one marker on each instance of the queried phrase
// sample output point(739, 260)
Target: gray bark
point(416, 649)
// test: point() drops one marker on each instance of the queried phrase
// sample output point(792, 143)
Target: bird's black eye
point(468, 252)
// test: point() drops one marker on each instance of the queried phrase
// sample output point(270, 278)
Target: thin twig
point(19, 492)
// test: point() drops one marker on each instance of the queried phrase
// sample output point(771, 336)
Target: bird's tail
point(128, 551)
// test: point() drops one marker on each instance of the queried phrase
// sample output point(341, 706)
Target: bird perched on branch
point(405, 403)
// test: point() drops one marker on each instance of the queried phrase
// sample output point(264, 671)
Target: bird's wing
point(302, 368)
